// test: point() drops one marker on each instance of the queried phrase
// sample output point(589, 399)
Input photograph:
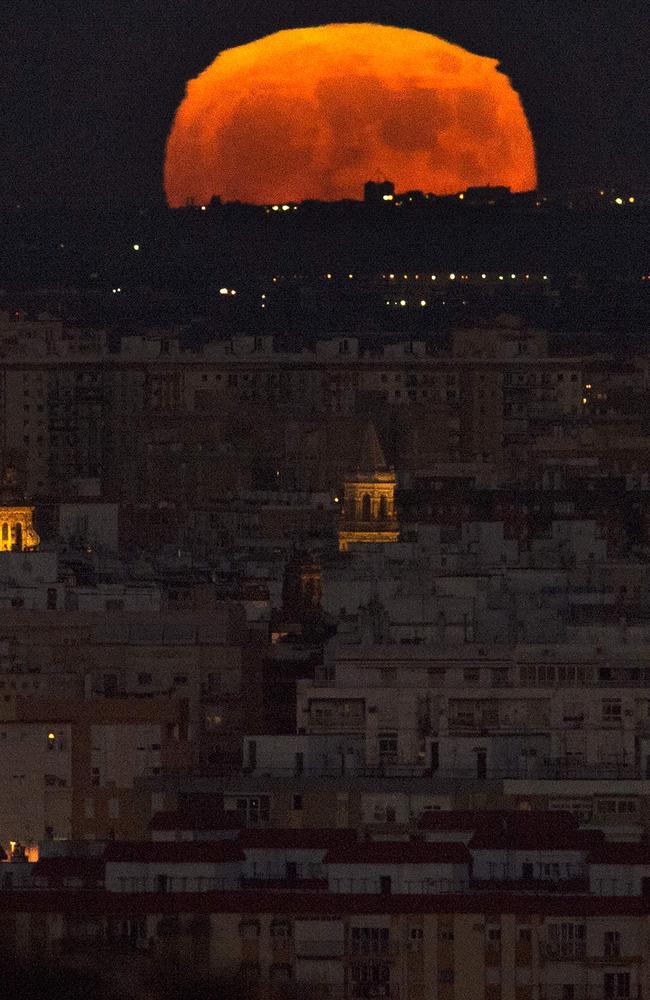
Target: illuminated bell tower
point(369, 497)
point(17, 532)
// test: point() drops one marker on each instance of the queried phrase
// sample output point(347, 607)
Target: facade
point(327, 914)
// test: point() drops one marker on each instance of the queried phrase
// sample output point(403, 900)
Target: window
point(611, 708)
point(493, 935)
point(616, 985)
point(144, 679)
point(113, 808)
point(256, 809)
point(297, 802)
point(446, 934)
point(446, 976)
point(180, 679)
point(369, 979)
point(416, 936)
point(566, 940)
point(524, 935)
point(249, 929)
point(388, 748)
point(612, 944)
point(369, 940)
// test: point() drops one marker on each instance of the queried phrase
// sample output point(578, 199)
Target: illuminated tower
point(369, 497)
point(17, 532)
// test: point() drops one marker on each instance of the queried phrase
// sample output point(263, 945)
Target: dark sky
point(88, 88)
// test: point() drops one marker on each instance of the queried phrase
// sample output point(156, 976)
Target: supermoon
point(313, 113)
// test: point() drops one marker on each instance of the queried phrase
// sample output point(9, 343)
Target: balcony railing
point(596, 992)
point(320, 949)
point(418, 887)
point(563, 951)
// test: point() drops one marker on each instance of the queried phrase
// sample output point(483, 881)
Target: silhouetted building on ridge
point(375, 192)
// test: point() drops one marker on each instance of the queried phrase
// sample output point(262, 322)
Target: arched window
point(19, 536)
point(5, 532)
point(366, 507)
point(383, 509)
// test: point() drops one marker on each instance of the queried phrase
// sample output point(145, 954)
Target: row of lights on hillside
point(434, 277)
point(403, 302)
point(453, 276)
point(619, 200)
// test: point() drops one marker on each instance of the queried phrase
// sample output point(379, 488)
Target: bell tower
point(17, 532)
point(368, 513)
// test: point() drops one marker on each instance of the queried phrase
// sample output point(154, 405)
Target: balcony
point(565, 951)
point(595, 992)
point(418, 887)
point(321, 949)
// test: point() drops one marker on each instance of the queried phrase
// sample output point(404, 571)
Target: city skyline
point(325, 502)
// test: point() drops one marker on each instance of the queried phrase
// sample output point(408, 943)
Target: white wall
point(143, 877)
point(406, 878)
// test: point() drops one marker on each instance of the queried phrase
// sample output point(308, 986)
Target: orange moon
point(316, 112)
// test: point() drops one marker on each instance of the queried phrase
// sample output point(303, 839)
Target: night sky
point(90, 88)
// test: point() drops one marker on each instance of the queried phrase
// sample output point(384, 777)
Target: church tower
point(368, 513)
point(17, 532)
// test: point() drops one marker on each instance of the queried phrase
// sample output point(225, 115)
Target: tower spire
point(368, 513)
